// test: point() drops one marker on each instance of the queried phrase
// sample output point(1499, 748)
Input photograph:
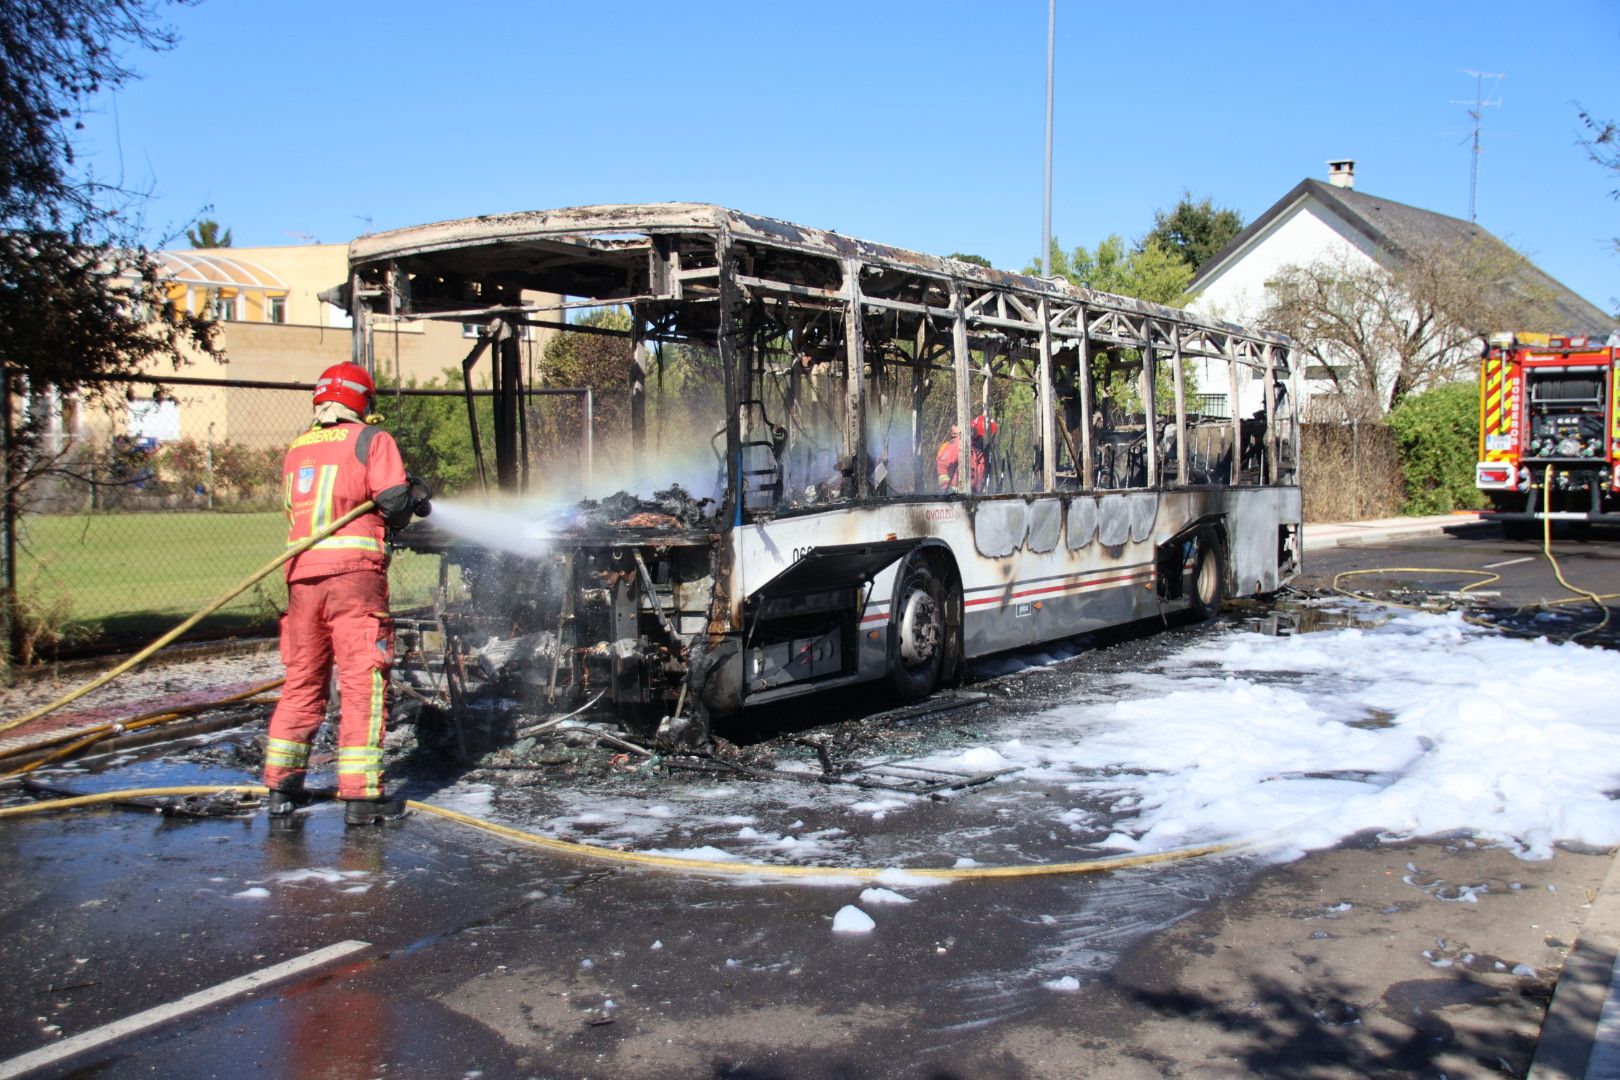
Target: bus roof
point(599, 231)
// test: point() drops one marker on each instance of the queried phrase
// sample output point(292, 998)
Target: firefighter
point(946, 459)
point(337, 596)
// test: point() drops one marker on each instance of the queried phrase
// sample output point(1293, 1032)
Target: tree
point(433, 433)
point(1602, 144)
point(80, 297)
point(976, 260)
point(206, 234)
point(1151, 272)
point(1380, 333)
point(1194, 230)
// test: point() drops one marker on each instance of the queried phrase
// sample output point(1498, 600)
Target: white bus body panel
point(1033, 568)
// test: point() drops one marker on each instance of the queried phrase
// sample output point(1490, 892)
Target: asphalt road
point(1528, 596)
point(485, 958)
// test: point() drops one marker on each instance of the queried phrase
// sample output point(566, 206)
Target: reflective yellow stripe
point(351, 543)
point(322, 514)
point(374, 726)
point(364, 762)
point(286, 753)
point(1493, 395)
point(1614, 381)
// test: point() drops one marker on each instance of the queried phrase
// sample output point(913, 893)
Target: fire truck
point(1549, 403)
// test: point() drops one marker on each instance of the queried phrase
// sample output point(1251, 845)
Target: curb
point(1332, 536)
point(1569, 1035)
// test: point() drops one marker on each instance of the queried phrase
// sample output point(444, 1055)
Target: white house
point(1332, 223)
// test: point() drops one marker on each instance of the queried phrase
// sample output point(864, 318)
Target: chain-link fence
point(139, 509)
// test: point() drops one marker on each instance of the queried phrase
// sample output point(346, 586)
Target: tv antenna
point(1477, 109)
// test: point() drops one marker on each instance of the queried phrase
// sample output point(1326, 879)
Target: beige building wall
point(312, 336)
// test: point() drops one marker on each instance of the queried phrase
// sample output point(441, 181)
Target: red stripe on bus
point(1073, 587)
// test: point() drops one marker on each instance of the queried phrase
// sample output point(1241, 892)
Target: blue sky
point(916, 123)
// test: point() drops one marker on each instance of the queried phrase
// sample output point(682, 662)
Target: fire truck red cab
point(1549, 430)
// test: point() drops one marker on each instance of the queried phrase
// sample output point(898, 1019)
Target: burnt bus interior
point(765, 370)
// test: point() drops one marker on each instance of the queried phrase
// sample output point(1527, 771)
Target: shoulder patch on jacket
point(362, 447)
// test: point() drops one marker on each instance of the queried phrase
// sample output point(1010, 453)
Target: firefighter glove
point(421, 496)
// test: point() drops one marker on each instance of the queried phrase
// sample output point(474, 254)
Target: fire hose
point(1486, 578)
point(167, 639)
point(707, 867)
point(79, 740)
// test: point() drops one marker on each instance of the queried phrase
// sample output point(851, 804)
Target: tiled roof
point(1398, 229)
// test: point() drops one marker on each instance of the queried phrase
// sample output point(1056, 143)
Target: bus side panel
point(1254, 519)
point(1100, 573)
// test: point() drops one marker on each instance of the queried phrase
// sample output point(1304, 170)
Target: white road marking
point(1510, 562)
point(162, 1014)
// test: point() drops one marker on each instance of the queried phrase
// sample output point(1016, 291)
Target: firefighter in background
point(337, 597)
point(946, 460)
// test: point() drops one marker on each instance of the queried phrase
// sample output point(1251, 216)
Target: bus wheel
point(1208, 580)
point(918, 634)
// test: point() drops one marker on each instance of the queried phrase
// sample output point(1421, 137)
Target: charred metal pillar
point(964, 392)
point(638, 391)
point(922, 462)
point(360, 317)
point(1270, 476)
point(1082, 376)
point(1047, 436)
point(1150, 404)
point(507, 356)
point(1232, 366)
point(1177, 373)
point(730, 369)
point(855, 381)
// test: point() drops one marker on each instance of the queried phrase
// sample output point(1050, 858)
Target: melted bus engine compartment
point(598, 617)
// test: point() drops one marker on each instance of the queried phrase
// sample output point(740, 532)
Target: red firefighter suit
point(337, 604)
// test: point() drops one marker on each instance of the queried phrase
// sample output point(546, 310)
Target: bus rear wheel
point(1208, 580)
point(919, 633)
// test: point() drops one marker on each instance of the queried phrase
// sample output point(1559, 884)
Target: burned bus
point(821, 461)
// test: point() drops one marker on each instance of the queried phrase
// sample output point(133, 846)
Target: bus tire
point(1208, 584)
point(919, 636)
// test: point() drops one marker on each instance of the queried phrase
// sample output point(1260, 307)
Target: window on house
point(275, 309)
point(1281, 292)
point(222, 308)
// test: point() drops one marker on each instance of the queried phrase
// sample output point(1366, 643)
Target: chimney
point(1342, 173)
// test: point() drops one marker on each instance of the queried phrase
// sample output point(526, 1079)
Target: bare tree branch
point(1384, 332)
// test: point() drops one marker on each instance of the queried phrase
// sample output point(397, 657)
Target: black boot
point(372, 811)
point(283, 803)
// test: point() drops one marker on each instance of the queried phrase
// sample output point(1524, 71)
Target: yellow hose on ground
point(1487, 578)
point(141, 657)
point(94, 735)
point(1546, 547)
point(673, 862)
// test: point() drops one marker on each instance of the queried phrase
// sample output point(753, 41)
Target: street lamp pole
point(1046, 206)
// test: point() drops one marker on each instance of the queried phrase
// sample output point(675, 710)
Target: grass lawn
point(137, 574)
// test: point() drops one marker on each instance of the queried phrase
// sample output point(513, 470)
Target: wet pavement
point(491, 958)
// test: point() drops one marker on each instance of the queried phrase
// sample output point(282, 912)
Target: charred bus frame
point(1103, 489)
